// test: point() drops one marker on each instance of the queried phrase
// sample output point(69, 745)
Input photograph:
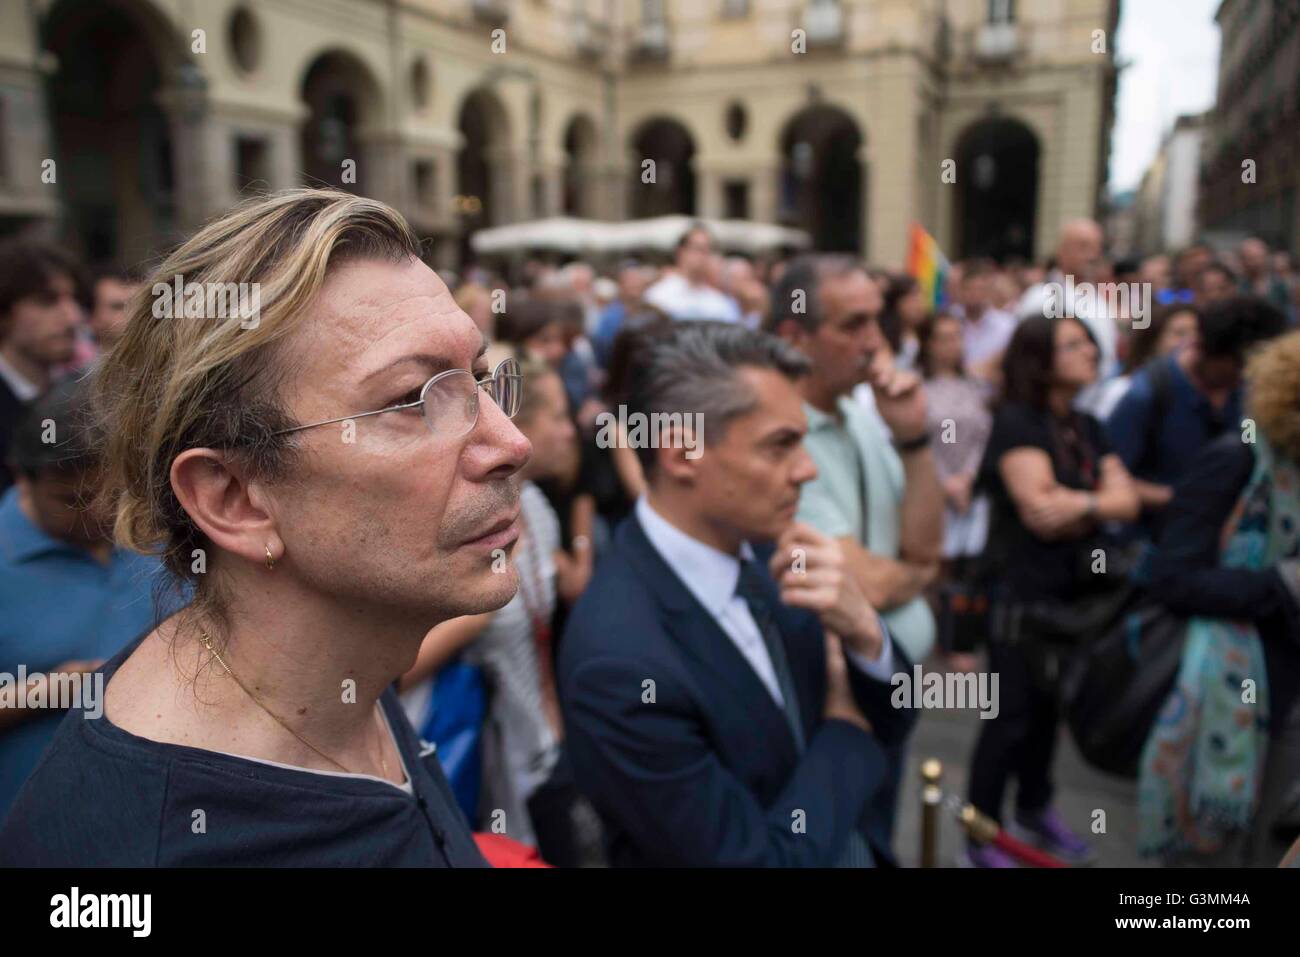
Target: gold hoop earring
point(270, 562)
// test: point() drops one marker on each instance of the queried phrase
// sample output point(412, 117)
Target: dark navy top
point(102, 796)
point(1163, 452)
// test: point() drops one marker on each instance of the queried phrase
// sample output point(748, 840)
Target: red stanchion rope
point(983, 829)
point(1024, 852)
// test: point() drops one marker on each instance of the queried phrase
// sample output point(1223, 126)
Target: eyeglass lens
point(451, 404)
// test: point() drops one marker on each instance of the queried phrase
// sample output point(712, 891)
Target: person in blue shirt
point(68, 598)
point(1176, 404)
point(332, 469)
point(633, 279)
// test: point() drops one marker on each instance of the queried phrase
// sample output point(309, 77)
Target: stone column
point(382, 170)
point(26, 137)
point(763, 188)
point(185, 103)
point(509, 175)
point(285, 163)
point(444, 158)
point(708, 191)
point(611, 192)
point(553, 171)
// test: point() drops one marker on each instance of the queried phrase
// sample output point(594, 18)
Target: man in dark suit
point(725, 703)
point(39, 314)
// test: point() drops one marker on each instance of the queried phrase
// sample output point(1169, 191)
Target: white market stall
point(564, 235)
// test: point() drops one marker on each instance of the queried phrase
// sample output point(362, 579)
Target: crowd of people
point(615, 650)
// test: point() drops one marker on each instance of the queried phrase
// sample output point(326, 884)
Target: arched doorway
point(997, 191)
point(341, 98)
point(580, 147)
point(483, 167)
point(113, 148)
point(822, 178)
point(672, 149)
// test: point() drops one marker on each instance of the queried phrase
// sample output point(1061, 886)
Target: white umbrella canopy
point(564, 234)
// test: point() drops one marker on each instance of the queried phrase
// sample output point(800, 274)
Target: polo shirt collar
point(817, 419)
point(20, 538)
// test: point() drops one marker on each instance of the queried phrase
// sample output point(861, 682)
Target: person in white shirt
point(1078, 258)
point(686, 292)
point(985, 329)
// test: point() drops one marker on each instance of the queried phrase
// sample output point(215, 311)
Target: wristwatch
point(913, 445)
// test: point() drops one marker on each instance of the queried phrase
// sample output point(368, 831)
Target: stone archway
point(485, 168)
point(822, 178)
point(996, 205)
point(671, 147)
point(342, 100)
point(120, 106)
point(581, 145)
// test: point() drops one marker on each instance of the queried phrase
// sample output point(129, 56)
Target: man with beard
point(39, 314)
point(880, 501)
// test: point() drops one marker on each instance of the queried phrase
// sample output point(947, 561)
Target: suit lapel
point(702, 639)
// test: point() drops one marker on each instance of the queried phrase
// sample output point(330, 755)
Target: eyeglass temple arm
point(344, 418)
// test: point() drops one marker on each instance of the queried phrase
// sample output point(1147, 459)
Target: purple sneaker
point(1045, 829)
point(985, 855)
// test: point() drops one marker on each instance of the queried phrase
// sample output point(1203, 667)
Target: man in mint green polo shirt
point(879, 497)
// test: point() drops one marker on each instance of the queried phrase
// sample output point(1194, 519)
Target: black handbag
point(1114, 685)
point(1049, 633)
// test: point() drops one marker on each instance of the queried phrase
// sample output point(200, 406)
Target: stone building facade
point(125, 123)
point(1251, 180)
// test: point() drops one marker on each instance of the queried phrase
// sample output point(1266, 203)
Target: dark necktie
point(752, 588)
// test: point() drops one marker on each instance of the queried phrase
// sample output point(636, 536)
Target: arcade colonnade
point(152, 131)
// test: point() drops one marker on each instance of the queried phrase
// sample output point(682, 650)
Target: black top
point(1185, 572)
point(11, 409)
point(1029, 567)
point(102, 796)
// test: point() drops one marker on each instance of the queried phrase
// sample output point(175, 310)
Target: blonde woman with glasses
point(332, 476)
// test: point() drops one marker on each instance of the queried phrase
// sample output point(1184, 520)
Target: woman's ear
point(226, 507)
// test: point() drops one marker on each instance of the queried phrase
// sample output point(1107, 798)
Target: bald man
point(1078, 255)
point(1257, 276)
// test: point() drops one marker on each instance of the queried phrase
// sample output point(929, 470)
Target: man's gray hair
point(694, 367)
point(797, 294)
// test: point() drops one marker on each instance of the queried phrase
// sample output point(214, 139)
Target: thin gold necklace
point(383, 762)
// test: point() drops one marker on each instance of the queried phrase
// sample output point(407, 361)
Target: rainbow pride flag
point(927, 264)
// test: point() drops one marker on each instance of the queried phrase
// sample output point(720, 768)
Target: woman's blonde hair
point(1273, 393)
point(172, 384)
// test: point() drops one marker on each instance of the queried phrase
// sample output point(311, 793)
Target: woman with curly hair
point(1217, 778)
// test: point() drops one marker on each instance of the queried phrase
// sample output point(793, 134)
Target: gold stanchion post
point(931, 802)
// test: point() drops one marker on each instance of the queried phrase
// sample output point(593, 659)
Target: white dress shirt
point(679, 299)
point(20, 385)
point(711, 576)
point(1095, 313)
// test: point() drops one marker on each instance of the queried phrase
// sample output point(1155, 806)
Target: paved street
point(950, 736)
